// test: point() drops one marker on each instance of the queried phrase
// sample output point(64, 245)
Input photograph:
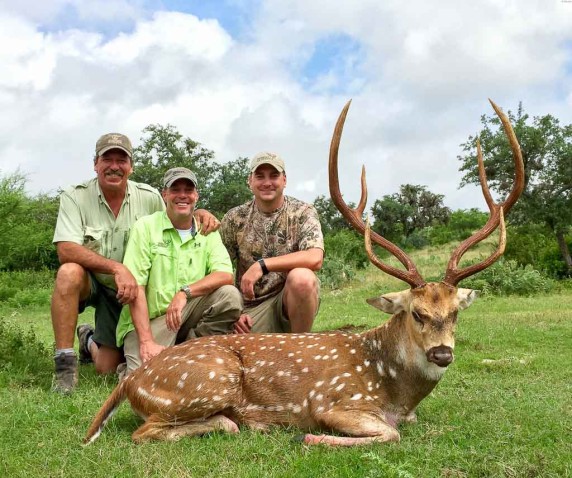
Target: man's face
point(181, 198)
point(113, 168)
point(267, 183)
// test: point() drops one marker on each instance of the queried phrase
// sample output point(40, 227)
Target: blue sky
point(245, 76)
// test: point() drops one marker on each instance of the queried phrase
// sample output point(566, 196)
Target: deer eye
point(417, 317)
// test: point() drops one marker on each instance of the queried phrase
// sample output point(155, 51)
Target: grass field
point(503, 409)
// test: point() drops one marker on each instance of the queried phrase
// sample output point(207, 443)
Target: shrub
point(507, 277)
point(346, 246)
point(335, 272)
point(24, 359)
point(23, 288)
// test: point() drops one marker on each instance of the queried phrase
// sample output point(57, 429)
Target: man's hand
point(148, 350)
point(250, 277)
point(173, 317)
point(243, 325)
point(126, 285)
point(206, 222)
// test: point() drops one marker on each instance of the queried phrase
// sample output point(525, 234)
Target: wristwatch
point(263, 266)
point(187, 290)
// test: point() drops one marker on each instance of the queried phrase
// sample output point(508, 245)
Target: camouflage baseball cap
point(267, 158)
point(178, 173)
point(111, 141)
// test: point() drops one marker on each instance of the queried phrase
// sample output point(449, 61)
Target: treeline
point(413, 217)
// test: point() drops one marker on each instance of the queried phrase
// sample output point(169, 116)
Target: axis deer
point(359, 386)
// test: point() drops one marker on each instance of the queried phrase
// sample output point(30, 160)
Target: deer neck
point(400, 364)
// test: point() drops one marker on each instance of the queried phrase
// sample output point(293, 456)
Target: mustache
point(114, 173)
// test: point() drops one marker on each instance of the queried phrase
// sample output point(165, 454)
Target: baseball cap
point(178, 173)
point(111, 141)
point(267, 158)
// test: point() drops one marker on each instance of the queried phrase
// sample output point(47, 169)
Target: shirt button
point(114, 249)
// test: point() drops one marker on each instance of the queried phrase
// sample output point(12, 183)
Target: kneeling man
point(184, 278)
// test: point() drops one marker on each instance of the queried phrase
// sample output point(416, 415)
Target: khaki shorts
point(212, 314)
point(269, 317)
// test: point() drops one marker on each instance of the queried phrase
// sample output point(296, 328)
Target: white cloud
point(419, 82)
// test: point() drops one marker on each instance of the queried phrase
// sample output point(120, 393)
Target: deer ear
point(466, 297)
point(391, 303)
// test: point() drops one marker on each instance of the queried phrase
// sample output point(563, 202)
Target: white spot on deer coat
point(357, 396)
point(212, 375)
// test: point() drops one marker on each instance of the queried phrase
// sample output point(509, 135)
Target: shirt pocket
point(93, 239)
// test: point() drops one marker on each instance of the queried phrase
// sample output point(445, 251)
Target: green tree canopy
point(547, 153)
point(221, 186)
point(412, 209)
point(331, 219)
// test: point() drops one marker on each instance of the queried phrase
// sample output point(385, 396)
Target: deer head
point(429, 310)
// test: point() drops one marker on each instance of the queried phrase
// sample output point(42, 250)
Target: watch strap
point(263, 266)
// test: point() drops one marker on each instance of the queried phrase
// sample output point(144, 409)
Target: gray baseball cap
point(174, 174)
point(111, 141)
point(267, 158)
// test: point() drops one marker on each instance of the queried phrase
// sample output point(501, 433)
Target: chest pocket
point(93, 239)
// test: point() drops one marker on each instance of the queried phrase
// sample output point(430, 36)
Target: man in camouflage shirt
point(277, 243)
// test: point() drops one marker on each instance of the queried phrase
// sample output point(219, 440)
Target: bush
point(462, 224)
point(536, 245)
point(23, 358)
point(335, 272)
point(348, 247)
point(23, 288)
point(507, 277)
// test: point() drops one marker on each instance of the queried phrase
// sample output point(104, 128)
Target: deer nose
point(441, 355)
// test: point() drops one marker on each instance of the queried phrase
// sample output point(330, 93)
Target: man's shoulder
point(296, 206)
point(144, 188)
point(238, 212)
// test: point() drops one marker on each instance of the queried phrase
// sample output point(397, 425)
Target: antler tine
point(453, 275)
point(517, 157)
point(354, 216)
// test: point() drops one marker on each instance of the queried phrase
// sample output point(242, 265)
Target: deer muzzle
point(441, 355)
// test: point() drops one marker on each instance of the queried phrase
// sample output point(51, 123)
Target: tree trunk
point(564, 249)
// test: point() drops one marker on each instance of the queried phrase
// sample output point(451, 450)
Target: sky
point(244, 76)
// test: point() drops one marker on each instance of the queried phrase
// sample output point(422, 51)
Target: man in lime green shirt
point(184, 278)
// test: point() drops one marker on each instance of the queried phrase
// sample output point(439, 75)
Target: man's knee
point(301, 283)
point(71, 277)
point(108, 358)
point(229, 299)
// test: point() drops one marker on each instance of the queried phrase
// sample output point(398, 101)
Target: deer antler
point(453, 274)
point(354, 216)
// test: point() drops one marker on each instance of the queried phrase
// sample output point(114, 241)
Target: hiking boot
point(84, 332)
point(66, 373)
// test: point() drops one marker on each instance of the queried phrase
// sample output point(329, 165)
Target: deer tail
point(105, 413)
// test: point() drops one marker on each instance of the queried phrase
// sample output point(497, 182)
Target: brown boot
point(66, 373)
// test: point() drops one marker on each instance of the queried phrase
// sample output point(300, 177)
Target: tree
point(412, 209)
point(331, 219)
point(26, 226)
point(547, 153)
point(221, 186)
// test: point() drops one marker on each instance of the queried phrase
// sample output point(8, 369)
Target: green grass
point(503, 409)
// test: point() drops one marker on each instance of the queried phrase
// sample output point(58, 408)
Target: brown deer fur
point(361, 385)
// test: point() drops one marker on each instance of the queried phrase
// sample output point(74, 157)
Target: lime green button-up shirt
point(162, 262)
point(85, 218)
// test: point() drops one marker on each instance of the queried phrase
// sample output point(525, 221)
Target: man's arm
point(204, 286)
point(148, 348)
point(92, 261)
point(206, 221)
point(309, 259)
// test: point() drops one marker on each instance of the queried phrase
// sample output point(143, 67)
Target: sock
point(89, 342)
point(64, 352)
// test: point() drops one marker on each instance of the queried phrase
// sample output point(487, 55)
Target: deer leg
point(155, 429)
point(362, 426)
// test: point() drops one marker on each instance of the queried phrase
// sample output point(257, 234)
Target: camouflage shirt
point(250, 234)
